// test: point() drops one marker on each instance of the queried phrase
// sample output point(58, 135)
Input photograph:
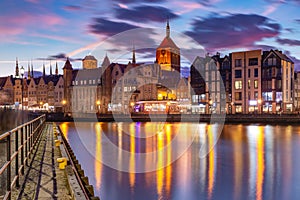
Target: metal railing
point(16, 147)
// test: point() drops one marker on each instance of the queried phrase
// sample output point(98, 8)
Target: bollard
point(57, 143)
point(55, 132)
point(62, 162)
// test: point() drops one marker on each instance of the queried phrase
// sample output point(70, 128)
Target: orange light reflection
point(260, 164)
point(98, 153)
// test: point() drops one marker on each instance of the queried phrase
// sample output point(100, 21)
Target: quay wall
point(236, 118)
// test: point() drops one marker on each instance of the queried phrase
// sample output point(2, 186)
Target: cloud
point(288, 42)
point(264, 47)
point(297, 20)
point(236, 30)
point(186, 7)
point(22, 22)
point(59, 56)
point(145, 13)
point(33, 1)
point(71, 8)
point(108, 28)
point(139, 1)
point(208, 2)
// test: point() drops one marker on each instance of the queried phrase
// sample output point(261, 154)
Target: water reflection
point(248, 162)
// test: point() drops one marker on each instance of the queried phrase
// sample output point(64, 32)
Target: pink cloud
point(33, 1)
point(12, 25)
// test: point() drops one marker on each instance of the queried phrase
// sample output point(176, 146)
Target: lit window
point(255, 84)
point(238, 85)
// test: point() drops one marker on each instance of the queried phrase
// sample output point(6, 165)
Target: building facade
point(277, 82)
point(246, 82)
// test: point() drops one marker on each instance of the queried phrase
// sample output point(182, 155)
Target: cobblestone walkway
point(42, 178)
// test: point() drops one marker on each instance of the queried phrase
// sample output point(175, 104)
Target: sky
point(41, 32)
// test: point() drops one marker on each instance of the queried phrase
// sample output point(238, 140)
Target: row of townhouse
point(44, 92)
point(244, 82)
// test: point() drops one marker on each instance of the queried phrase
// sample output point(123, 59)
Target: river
point(179, 161)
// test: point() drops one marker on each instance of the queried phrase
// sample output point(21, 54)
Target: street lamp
point(64, 103)
point(259, 105)
point(22, 74)
point(41, 104)
point(232, 108)
point(210, 103)
point(98, 102)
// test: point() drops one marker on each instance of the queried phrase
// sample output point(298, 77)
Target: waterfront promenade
point(42, 178)
point(36, 162)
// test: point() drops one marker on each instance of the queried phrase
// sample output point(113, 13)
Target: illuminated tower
point(168, 54)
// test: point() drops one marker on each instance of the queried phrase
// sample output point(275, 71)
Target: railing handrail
point(25, 138)
point(5, 134)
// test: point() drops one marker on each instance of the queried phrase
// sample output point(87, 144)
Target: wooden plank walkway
point(42, 178)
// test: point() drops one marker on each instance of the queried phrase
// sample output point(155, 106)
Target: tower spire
point(44, 71)
point(17, 68)
point(28, 71)
point(31, 69)
point(56, 69)
point(133, 55)
point(168, 29)
point(50, 68)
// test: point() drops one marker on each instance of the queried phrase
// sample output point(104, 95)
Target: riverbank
point(215, 118)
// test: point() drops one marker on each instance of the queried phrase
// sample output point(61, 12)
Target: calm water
point(247, 162)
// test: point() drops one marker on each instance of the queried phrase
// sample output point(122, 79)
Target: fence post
point(17, 156)
point(8, 170)
point(22, 149)
point(26, 145)
point(2, 162)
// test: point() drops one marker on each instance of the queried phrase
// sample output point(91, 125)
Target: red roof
point(168, 43)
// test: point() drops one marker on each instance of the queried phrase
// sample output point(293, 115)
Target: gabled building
point(277, 82)
point(207, 88)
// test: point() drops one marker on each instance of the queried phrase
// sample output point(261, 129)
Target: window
point(271, 61)
point(267, 96)
point(238, 96)
point(238, 85)
point(255, 84)
point(255, 95)
point(278, 84)
point(226, 65)
point(249, 84)
point(238, 73)
point(256, 72)
point(238, 62)
point(253, 61)
point(278, 96)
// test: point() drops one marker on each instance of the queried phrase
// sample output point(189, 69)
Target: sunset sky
point(40, 31)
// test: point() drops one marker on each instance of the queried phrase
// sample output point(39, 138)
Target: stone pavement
point(42, 178)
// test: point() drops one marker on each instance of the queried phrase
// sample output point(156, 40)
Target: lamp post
point(210, 103)
point(64, 103)
point(98, 102)
point(259, 106)
point(131, 107)
point(41, 104)
point(232, 109)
